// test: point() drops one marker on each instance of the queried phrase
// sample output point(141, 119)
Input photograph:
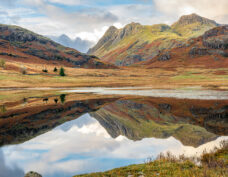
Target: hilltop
point(136, 42)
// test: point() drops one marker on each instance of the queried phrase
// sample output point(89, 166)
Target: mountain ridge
point(17, 43)
point(77, 43)
point(135, 42)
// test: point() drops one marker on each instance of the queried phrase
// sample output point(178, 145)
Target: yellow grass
point(78, 77)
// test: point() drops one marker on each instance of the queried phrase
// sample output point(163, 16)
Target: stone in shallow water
point(32, 174)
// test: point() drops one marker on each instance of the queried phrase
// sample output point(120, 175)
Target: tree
point(2, 63)
point(62, 98)
point(55, 69)
point(45, 70)
point(62, 72)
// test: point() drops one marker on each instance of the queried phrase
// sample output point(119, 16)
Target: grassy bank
point(212, 164)
point(155, 78)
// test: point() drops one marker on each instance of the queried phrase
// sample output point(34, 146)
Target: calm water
point(88, 130)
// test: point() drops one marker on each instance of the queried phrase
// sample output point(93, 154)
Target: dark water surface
point(88, 130)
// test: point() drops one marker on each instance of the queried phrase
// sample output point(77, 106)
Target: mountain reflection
point(193, 122)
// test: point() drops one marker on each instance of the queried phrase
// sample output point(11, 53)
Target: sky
point(89, 19)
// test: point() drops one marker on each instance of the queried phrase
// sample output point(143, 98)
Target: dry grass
point(77, 77)
point(210, 164)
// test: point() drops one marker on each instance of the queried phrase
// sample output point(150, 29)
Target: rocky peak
point(109, 35)
point(130, 28)
point(132, 25)
point(194, 18)
point(111, 30)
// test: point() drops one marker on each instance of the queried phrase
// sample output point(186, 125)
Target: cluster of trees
point(23, 69)
point(61, 71)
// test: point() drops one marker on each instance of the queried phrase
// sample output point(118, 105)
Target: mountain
point(209, 50)
point(19, 44)
point(136, 42)
point(193, 122)
point(77, 43)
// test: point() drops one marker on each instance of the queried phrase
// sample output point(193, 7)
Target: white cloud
point(89, 19)
point(68, 2)
point(207, 8)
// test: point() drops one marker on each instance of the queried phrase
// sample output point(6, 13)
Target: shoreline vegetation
point(209, 164)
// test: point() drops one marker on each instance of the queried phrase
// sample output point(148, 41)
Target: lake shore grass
point(125, 77)
point(210, 164)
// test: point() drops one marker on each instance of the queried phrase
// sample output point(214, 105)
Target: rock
point(164, 57)
point(198, 51)
point(194, 18)
point(32, 174)
point(165, 107)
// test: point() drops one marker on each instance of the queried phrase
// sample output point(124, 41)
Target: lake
point(64, 132)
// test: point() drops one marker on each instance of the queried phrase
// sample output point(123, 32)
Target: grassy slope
point(213, 164)
point(19, 44)
point(182, 56)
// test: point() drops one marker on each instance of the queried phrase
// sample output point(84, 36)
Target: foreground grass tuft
point(212, 164)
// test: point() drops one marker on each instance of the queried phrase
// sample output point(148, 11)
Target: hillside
point(19, 44)
point(207, 51)
point(136, 42)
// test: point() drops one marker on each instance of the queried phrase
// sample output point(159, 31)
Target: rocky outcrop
point(164, 57)
point(108, 38)
point(194, 18)
point(198, 51)
point(18, 34)
point(32, 174)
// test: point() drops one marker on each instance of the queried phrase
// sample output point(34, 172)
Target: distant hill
point(136, 42)
point(207, 51)
point(20, 44)
point(77, 43)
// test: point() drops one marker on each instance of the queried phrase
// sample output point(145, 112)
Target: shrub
point(45, 70)
point(62, 72)
point(55, 69)
point(62, 98)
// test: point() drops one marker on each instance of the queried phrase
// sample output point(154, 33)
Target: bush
point(62, 72)
point(55, 69)
point(45, 70)
point(62, 98)
point(2, 63)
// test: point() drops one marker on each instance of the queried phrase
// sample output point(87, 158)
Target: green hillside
point(136, 42)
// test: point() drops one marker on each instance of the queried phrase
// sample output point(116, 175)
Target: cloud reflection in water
point(83, 145)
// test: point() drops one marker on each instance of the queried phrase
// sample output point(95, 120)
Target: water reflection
point(68, 134)
point(83, 145)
